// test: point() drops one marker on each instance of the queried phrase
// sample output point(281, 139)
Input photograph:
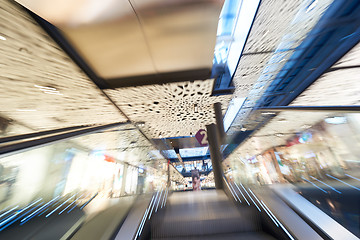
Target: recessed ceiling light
point(53, 92)
point(45, 88)
point(335, 120)
point(49, 90)
point(2, 38)
point(268, 113)
point(26, 110)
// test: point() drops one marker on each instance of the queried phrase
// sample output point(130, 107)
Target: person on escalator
point(196, 183)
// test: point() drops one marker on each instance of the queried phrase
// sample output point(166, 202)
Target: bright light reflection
point(170, 153)
point(26, 110)
point(245, 19)
point(234, 107)
point(192, 152)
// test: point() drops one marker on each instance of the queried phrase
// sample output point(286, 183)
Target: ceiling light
point(53, 92)
point(49, 90)
point(46, 88)
point(243, 129)
point(335, 120)
point(2, 38)
point(268, 113)
point(279, 134)
point(26, 110)
point(306, 126)
point(140, 124)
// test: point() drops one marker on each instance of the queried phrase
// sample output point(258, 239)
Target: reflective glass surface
point(317, 152)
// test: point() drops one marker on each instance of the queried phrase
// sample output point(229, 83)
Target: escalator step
point(206, 226)
point(232, 236)
point(205, 213)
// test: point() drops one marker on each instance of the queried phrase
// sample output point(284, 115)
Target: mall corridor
point(179, 119)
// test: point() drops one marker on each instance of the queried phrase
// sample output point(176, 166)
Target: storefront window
point(84, 167)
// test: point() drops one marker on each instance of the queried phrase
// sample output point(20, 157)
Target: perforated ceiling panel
point(324, 92)
point(278, 29)
point(339, 86)
point(41, 86)
point(270, 25)
point(248, 72)
point(170, 110)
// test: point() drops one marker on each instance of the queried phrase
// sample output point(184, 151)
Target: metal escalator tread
point(233, 223)
point(204, 214)
point(231, 236)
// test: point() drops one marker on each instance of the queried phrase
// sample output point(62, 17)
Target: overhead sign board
point(201, 137)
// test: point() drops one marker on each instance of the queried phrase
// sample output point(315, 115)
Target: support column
point(219, 122)
point(215, 154)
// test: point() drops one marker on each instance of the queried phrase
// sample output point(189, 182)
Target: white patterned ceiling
point(339, 86)
point(30, 58)
point(170, 110)
point(42, 88)
point(270, 25)
point(278, 29)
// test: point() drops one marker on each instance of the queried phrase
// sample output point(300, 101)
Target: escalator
point(207, 215)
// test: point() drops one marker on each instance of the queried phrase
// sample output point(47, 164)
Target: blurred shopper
point(196, 183)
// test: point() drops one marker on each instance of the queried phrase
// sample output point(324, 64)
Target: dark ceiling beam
point(332, 69)
point(225, 91)
point(351, 108)
point(160, 78)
